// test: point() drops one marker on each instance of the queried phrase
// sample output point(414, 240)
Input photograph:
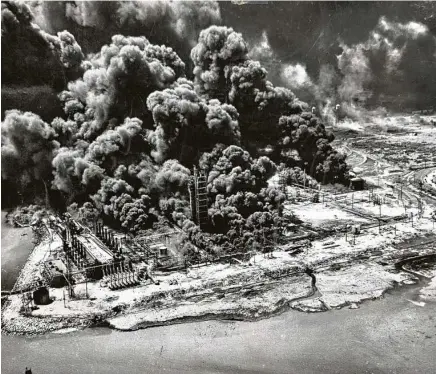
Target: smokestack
point(192, 186)
point(81, 250)
point(112, 239)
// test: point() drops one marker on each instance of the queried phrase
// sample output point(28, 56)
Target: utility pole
point(47, 199)
point(263, 234)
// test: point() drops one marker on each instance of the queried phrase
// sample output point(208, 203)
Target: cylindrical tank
point(41, 296)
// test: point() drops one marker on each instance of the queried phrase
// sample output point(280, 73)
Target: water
point(16, 245)
point(390, 335)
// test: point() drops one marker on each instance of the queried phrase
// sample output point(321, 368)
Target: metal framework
point(119, 275)
point(198, 198)
point(282, 181)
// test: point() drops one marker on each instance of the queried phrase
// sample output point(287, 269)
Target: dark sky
point(308, 33)
point(297, 31)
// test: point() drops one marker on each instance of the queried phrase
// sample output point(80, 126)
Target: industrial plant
point(171, 161)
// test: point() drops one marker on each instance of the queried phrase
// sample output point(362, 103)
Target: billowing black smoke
point(32, 56)
point(325, 52)
point(174, 24)
point(28, 145)
point(134, 126)
point(328, 53)
point(38, 62)
point(180, 116)
point(35, 64)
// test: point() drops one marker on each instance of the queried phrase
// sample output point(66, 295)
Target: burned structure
point(357, 184)
point(198, 198)
point(116, 260)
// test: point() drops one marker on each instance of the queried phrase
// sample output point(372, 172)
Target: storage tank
point(41, 296)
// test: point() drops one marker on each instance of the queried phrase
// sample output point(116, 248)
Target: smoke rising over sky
point(148, 90)
point(372, 53)
point(382, 53)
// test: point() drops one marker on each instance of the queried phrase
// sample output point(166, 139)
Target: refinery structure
point(79, 258)
point(186, 181)
point(100, 254)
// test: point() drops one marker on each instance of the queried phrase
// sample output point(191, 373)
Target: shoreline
point(400, 288)
point(64, 326)
point(226, 292)
point(277, 339)
point(17, 245)
point(135, 320)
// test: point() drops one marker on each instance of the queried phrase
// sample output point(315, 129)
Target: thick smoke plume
point(134, 126)
point(119, 79)
point(299, 44)
point(384, 70)
point(180, 115)
point(34, 56)
point(35, 64)
point(40, 61)
point(165, 22)
point(28, 144)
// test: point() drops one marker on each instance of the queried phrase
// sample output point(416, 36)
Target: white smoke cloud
point(261, 49)
point(361, 65)
point(354, 65)
point(390, 38)
point(85, 13)
point(295, 77)
point(181, 19)
point(411, 29)
point(354, 81)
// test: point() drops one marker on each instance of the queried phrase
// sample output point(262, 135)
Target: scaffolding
point(283, 181)
point(192, 200)
point(198, 198)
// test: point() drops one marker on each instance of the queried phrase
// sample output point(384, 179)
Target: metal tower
point(198, 198)
point(282, 181)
